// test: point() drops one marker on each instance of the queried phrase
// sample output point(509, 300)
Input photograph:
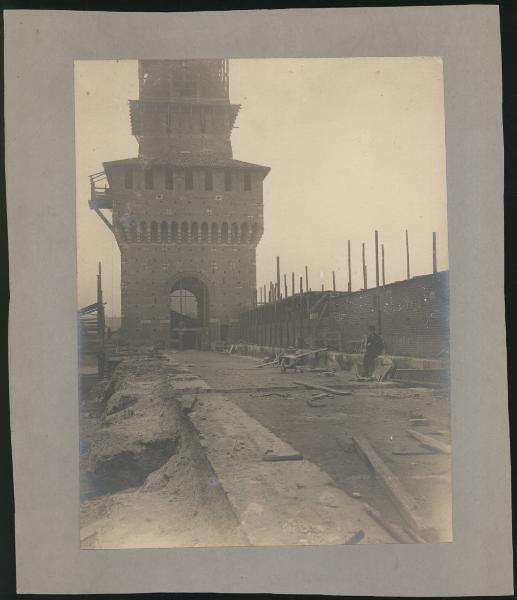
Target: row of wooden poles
point(274, 293)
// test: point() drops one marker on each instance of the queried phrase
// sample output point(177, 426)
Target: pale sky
point(354, 145)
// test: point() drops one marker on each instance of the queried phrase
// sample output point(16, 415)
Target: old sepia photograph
point(263, 302)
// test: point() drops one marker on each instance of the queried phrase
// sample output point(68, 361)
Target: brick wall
point(412, 316)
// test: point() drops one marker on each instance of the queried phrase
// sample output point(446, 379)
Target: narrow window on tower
point(189, 180)
point(169, 179)
point(149, 179)
point(228, 181)
point(128, 182)
point(247, 182)
point(209, 182)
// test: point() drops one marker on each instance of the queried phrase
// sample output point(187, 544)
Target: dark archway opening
point(189, 314)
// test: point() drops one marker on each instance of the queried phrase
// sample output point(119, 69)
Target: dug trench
point(146, 481)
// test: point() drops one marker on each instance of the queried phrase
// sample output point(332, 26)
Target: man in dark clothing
point(374, 347)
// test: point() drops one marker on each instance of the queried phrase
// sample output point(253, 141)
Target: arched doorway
point(189, 313)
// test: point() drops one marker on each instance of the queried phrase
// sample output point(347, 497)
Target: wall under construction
point(411, 315)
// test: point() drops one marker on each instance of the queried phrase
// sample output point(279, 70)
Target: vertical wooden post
point(265, 294)
point(255, 314)
point(101, 324)
point(435, 270)
point(278, 322)
point(261, 295)
point(271, 316)
point(349, 268)
point(382, 257)
point(306, 278)
point(286, 314)
point(365, 278)
point(407, 256)
point(278, 276)
point(333, 280)
point(376, 258)
point(300, 308)
point(292, 283)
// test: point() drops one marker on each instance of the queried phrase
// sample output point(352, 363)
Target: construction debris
point(430, 442)
point(267, 364)
point(269, 456)
point(268, 394)
point(313, 404)
point(291, 361)
point(312, 386)
point(419, 422)
point(402, 453)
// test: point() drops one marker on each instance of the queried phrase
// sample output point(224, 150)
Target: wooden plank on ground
point(273, 362)
point(313, 386)
point(404, 502)
point(430, 442)
point(398, 534)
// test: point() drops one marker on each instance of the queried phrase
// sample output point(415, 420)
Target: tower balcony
point(100, 196)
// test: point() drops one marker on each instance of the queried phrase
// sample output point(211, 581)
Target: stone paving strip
point(278, 502)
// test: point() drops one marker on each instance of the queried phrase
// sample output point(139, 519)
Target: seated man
point(374, 347)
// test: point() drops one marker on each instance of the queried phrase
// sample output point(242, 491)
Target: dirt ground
point(172, 447)
point(145, 479)
point(382, 412)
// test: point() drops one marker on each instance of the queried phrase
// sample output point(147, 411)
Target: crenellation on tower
point(186, 215)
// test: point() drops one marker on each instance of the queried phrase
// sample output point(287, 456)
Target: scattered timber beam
point(406, 504)
point(303, 354)
point(313, 386)
point(396, 532)
point(430, 442)
point(316, 404)
point(270, 457)
point(273, 362)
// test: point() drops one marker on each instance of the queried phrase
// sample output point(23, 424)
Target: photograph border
point(40, 47)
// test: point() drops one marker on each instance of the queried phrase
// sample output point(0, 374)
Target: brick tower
point(187, 217)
